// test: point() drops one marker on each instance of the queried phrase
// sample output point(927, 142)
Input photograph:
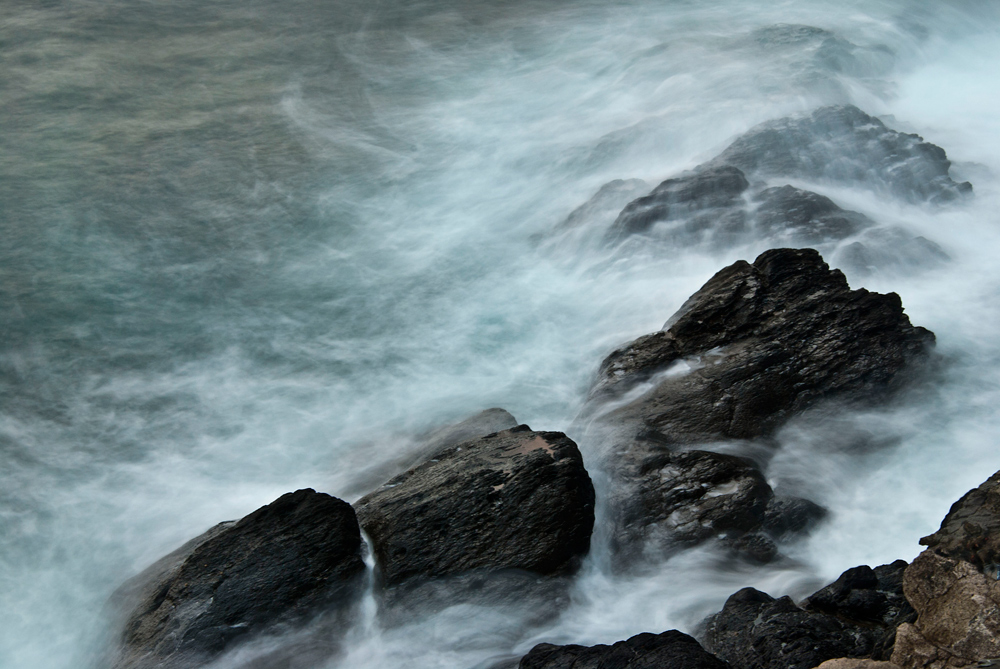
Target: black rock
point(756, 631)
point(791, 515)
point(680, 499)
point(606, 203)
point(513, 500)
point(669, 650)
point(803, 217)
point(842, 144)
point(284, 563)
point(756, 344)
point(704, 192)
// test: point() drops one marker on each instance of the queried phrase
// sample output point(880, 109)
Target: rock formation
point(288, 561)
point(669, 650)
point(516, 499)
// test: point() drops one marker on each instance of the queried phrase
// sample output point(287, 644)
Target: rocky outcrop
point(514, 500)
point(757, 631)
point(844, 145)
point(757, 344)
point(287, 561)
point(954, 589)
point(669, 650)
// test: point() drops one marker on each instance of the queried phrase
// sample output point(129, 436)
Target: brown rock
point(856, 663)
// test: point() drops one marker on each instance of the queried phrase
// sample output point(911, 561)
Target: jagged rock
point(971, 530)
point(517, 499)
point(889, 249)
point(711, 193)
point(606, 203)
point(842, 144)
point(856, 663)
point(290, 560)
point(958, 615)
point(802, 217)
point(669, 650)
point(684, 498)
point(954, 589)
point(791, 515)
point(756, 631)
point(757, 344)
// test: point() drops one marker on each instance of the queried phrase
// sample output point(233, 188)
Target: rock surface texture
point(516, 499)
point(954, 588)
point(755, 345)
point(287, 561)
point(669, 650)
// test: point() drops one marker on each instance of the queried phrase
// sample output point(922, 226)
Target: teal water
point(250, 247)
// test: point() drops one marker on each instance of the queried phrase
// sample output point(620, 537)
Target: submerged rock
point(669, 650)
point(606, 202)
point(803, 217)
point(295, 558)
point(844, 145)
point(516, 499)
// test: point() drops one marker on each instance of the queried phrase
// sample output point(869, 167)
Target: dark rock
point(842, 144)
point(283, 563)
point(791, 515)
point(890, 249)
point(680, 499)
point(756, 631)
point(711, 189)
point(756, 345)
point(971, 530)
point(513, 500)
point(803, 217)
point(606, 203)
point(669, 650)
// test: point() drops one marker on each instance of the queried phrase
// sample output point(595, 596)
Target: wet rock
point(606, 203)
point(890, 249)
point(756, 631)
point(680, 499)
point(844, 145)
point(516, 499)
point(669, 650)
point(710, 193)
point(756, 344)
point(804, 218)
point(971, 530)
point(786, 516)
point(958, 615)
point(288, 561)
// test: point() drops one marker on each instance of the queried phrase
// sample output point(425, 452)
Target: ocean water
point(250, 247)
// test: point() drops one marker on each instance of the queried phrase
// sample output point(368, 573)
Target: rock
point(606, 203)
point(680, 499)
point(954, 589)
point(756, 344)
point(710, 193)
point(366, 475)
point(804, 218)
point(889, 249)
point(669, 650)
point(287, 561)
point(844, 145)
point(516, 499)
point(786, 516)
point(856, 663)
point(971, 530)
point(756, 631)
point(958, 615)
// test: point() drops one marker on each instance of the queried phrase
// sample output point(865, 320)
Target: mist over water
point(254, 247)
